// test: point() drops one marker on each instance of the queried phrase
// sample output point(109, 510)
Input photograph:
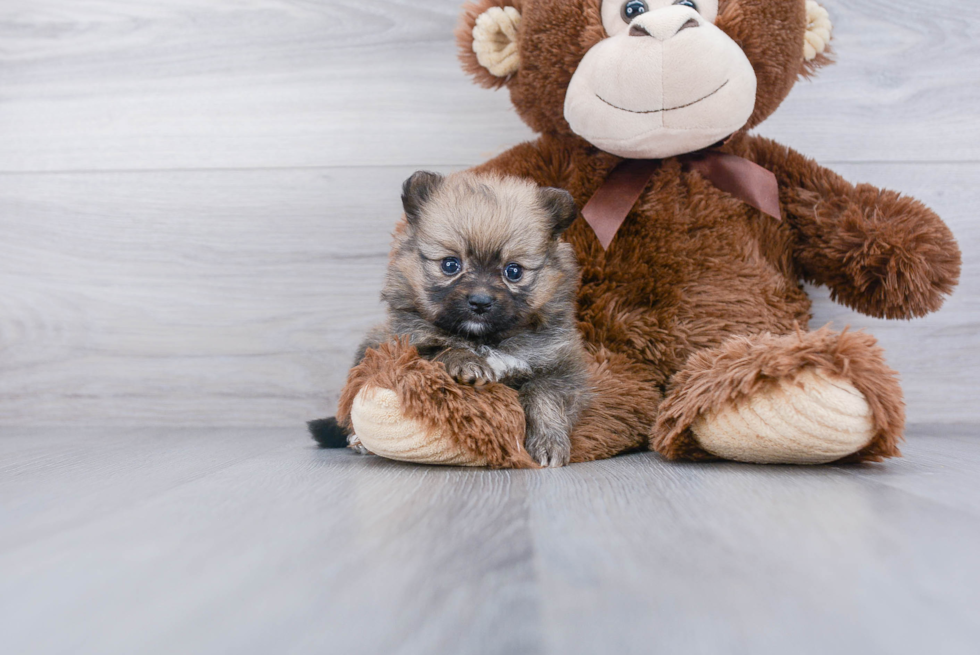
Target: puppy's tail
point(328, 433)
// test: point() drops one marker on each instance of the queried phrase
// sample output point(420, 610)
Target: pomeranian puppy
point(480, 280)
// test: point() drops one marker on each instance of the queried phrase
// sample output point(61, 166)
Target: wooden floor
point(196, 198)
point(253, 541)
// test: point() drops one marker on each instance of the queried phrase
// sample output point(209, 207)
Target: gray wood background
point(196, 197)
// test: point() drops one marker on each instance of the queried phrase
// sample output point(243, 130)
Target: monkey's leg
point(621, 411)
point(407, 408)
point(809, 398)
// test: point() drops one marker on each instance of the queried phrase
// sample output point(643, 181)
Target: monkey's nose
point(662, 30)
point(480, 303)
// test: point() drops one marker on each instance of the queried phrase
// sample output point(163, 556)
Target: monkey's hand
point(466, 367)
point(880, 253)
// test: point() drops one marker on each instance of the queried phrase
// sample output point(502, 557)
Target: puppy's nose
point(480, 302)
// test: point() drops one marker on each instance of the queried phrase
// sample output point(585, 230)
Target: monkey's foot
point(383, 428)
point(811, 398)
point(813, 418)
point(407, 408)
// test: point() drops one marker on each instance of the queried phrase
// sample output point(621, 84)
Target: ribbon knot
point(737, 176)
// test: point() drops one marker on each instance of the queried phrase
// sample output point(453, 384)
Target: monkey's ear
point(488, 40)
point(561, 207)
point(416, 191)
point(816, 42)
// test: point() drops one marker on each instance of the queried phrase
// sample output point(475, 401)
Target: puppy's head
point(482, 256)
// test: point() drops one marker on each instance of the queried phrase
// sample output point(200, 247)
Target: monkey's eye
point(514, 272)
point(451, 266)
point(687, 3)
point(634, 8)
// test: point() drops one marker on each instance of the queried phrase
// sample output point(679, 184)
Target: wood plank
point(137, 84)
point(278, 553)
point(56, 482)
point(749, 559)
point(892, 95)
point(286, 548)
point(238, 297)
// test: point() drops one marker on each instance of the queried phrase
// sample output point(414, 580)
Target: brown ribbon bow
point(735, 175)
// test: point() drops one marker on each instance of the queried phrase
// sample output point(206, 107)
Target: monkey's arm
point(880, 253)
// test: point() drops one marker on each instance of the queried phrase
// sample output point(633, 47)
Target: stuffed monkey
point(695, 239)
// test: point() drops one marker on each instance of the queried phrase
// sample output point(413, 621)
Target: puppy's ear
point(416, 192)
point(560, 207)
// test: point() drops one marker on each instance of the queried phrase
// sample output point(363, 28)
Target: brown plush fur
point(476, 419)
point(610, 426)
point(479, 419)
point(700, 297)
point(743, 366)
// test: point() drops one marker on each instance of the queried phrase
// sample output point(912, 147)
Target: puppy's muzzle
point(480, 303)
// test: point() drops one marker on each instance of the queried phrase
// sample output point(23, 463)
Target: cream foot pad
point(812, 419)
point(381, 427)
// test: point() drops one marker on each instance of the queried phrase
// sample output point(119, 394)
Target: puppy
point(480, 280)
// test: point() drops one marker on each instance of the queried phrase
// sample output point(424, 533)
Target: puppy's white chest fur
point(503, 365)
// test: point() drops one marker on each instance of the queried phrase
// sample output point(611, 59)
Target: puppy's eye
point(687, 3)
point(514, 272)
point(451, 266)
point(634, 8)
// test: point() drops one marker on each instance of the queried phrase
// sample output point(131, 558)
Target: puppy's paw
point(550, 450)
point(355, 444)
point(466, 367)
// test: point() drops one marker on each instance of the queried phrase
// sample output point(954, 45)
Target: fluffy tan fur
point(495, 214)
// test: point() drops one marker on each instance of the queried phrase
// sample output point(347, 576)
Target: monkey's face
point(644, 78)
point(666, 81)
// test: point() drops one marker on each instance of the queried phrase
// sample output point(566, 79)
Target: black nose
point(480, 302)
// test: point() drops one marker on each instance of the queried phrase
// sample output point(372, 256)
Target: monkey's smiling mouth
point(657, 111)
